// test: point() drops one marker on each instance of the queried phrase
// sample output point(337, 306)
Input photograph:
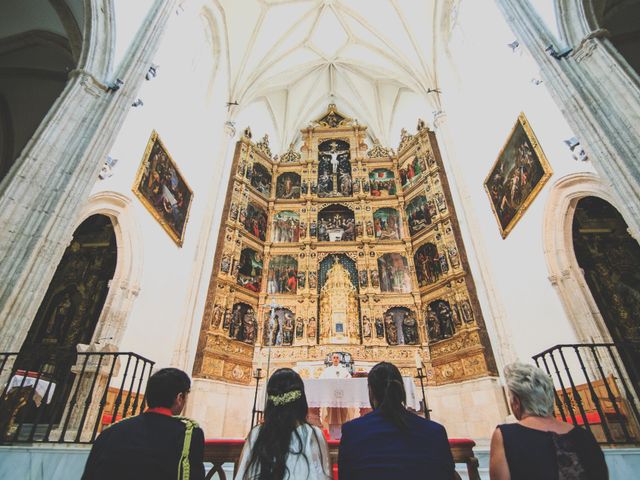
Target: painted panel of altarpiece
point(335, 247)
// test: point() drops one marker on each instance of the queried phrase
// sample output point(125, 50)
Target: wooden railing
point(595, 390)
point(219, 452)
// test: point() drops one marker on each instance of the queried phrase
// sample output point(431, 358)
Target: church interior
point(234, 186)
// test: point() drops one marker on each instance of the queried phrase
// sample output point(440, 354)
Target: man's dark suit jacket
point(373, 448)
point(148, 446)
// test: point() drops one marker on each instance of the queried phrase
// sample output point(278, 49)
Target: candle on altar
point(418, 360)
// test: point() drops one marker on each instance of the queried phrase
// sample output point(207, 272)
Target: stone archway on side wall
point(564, 272)
point(125, 284)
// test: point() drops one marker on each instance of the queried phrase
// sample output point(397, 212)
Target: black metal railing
point(594, 389)
point(68, 397)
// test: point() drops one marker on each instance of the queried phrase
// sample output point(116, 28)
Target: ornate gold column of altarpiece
point(361, 250)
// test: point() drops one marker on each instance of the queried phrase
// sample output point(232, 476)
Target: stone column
point(503, 350)
point(184, 354)
point(598, 96)
point(56, 171)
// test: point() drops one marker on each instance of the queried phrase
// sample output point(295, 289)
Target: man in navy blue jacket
point(391, 442)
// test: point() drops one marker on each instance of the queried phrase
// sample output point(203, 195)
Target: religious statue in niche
point(288, 186)
point(369, 228)
point(270, 330)
point(287, 330)
point(402, 327)
point(411, 171)
point(439, 320)
point(60, 315)
point(410, 328)
point(302, 279)
point(261, 179)
point(243, 323)
point(286, 227)
point(283, 275)
point(299, 327)
point(440, 202)
point(391, 328)
point(467, 311)
point(387, 224)
point(363, 278)
point(375, 279)
point(226, 323)
point(313, 280)
point(356, 186)
point(394, 273)
point(366, 327)
point(336, 223)
point(312, 329)
point(427, 262)
point(233, 211)
point(250, 270)
point(382, 182)
point(216, 316)
point(418, 215)
point(379, 328)
point(334, 169)
point(254, 220)
point(454, 257)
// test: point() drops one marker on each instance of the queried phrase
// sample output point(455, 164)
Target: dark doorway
point(68, 314)
point(610, 259)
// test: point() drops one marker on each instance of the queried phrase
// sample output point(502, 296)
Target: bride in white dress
point(285, 446)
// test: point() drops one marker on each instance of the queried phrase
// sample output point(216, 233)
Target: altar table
point(349, 392)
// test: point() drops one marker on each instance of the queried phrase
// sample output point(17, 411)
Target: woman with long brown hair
point(285, 446)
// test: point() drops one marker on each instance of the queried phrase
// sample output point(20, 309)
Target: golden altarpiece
point(339, 247)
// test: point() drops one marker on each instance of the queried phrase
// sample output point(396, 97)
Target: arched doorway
point(70, 309)
point(610, 260)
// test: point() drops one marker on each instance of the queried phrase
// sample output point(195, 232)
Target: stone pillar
point(184, 351)
point(56, 171)
point(598, 96)
point(504, 352)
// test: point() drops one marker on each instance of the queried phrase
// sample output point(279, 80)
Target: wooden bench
point(218, 452)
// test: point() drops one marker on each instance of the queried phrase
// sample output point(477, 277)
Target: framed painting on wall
point(163, 190)
point(517, 176)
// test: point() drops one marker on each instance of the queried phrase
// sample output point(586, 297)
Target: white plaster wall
point(129, 17)
point(189, 112)
point(222, 409)
point(484, 89)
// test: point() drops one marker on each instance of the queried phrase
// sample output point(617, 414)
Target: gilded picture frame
point(517, 176)
point(162, 189)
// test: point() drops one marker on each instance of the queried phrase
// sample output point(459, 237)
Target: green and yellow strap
point(184, 467)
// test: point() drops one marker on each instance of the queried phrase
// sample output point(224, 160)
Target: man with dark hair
point(157, 444)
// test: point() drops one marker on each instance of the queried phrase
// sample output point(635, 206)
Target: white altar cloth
point(42, 387)
point(349, 392)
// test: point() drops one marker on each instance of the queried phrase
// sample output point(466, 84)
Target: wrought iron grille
point(68, 397)
point(596, 389)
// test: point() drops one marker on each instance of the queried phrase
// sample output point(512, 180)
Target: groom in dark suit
point(155, 445)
